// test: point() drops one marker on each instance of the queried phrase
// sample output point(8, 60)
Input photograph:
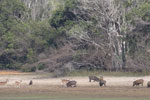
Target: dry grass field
point(46, 88)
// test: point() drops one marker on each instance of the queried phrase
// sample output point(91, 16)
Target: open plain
point(47, 88)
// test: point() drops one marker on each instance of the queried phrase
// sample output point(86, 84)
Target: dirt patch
point(116, 87)
point(81, 81)
point(81, 91)
point(11, 72)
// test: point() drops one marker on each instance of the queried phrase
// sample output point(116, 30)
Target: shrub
point(64, 15)
point(41, 66)
point(29, 69)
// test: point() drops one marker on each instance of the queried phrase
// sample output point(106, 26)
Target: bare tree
point(110, 17)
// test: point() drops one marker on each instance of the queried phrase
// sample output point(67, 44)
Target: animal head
point(74, 81)
point(134, 83)
point(101, 78)
point(65, 80)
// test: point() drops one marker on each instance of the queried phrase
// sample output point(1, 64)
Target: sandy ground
point(81, 81)
point(44, 86)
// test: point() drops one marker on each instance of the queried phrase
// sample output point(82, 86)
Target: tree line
point(98, 34)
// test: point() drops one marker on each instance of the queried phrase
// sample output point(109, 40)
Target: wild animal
point(18, 83)
point(65, 81)
point(71, 84)
point(148, 84)
point(4, 82)
point(138, 82)
point(94, 78)
point(31, 82)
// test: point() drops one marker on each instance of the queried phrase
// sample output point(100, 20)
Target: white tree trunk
point(110, 18)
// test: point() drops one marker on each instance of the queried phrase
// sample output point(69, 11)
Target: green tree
point(12, 28)
point(64, 15)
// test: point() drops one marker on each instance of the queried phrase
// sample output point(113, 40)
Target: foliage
point(128, 3)
point(18, 34)
point(64, 15)
point(141, 11)
point(42, 34)
point(12, 28)
point(41, 66)
point(132, 43)
point(23, 39)
point(10, 18)
point(28, 69)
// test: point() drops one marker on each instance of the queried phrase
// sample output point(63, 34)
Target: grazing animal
point(4, 82)
point(18, 83)
point(138, 82)
point(102, 82)
point(101, 78)
point(71, 84)
point(64, 81)
point(148, 84)
point(94, 78)
point(31, 82)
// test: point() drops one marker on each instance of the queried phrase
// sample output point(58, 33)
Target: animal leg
point(89, 80)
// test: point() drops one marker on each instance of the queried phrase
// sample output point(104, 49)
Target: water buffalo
point(71, 84)
point(102, 82)
point(148, 84)
point(94, 78)
point(138, 82)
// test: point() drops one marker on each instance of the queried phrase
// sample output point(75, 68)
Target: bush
point(141, 11)
point(41, 66)
point(64, 15)
point(28, 69)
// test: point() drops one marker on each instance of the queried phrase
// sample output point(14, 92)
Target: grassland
point(107, 73)
point(48, 98)
point(79, 93)
point(119, 87)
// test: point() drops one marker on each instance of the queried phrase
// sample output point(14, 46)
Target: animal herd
point(16, 83)
point(73, 83)
point(101, 81)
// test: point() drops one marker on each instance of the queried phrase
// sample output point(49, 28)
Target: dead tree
point(109, 15)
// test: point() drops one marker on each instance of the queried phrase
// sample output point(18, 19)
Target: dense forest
point(66, 35)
